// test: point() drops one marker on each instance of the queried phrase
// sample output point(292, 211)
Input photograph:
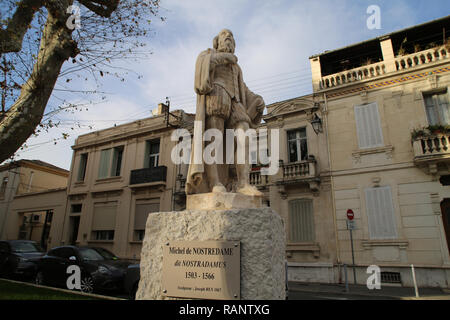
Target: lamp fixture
point(316, 123)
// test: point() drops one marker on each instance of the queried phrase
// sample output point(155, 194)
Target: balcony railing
point(433, 147)
point(377, 69)
point(257, 179)
point(148, 175)
point(422, 57)
point(353, 75)
point(299, 170)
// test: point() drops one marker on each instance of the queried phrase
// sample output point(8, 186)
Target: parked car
point(131, 280)
point(18, 259)
point(101, 270)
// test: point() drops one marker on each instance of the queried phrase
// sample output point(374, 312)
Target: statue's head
point(224, 41)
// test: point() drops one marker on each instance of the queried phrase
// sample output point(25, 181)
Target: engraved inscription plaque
point(201, 270)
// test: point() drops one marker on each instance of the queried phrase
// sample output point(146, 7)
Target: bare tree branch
point(103, 8)
point(11, 38)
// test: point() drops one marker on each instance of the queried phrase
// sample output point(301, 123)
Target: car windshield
point(89, 254)
point(107, 255)
point(25, 247)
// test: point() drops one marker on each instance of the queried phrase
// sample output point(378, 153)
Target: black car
point(131, 281)
point(18, 259)
point(100, 269)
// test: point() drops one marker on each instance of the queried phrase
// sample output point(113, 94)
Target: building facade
point(23, 219)
point(120, 175)
point(385, 104)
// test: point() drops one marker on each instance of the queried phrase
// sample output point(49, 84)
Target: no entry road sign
point(350, 214)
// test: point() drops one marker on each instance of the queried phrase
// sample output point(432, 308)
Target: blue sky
point(274, 40)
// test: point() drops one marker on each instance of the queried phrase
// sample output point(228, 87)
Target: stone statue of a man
point(223, 102)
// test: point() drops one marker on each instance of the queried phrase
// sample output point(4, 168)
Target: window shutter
point(82, 167)
point(105, 159)
point(444, 108)
point(104, 216)
point(142, 212)
point(301, 221)
point(368, 126)
point(380, 213)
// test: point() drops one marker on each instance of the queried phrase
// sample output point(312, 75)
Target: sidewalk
point(362, 290)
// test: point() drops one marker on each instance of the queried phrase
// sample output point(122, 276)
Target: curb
point(90, 295)
point(364, 294)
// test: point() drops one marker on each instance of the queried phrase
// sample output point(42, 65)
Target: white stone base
point(260, 232)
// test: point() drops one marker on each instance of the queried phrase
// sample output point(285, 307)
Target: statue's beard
point(226, 46)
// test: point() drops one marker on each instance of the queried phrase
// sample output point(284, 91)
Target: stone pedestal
point(261, 235)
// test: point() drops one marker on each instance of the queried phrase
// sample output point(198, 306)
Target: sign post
point(350, 227)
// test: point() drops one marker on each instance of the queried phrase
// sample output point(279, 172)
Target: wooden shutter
point(82, 167)
point(443, 108)
point(368, 126)
point(104, 216)
point(105, 160)
point(380, 213)
point(301, 221)
point(142, 212)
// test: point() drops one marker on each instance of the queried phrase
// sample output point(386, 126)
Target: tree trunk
point(21, 120)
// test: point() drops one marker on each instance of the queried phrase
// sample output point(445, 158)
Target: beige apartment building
point(32, 192)
point(120, 175)
point(385, 106)
point(301, 190)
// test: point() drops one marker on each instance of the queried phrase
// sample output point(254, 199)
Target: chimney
point(162, 109)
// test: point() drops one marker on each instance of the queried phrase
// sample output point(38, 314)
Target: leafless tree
point(37, 37)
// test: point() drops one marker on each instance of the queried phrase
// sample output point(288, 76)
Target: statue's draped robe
point(203, 85)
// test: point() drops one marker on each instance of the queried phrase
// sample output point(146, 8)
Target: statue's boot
point(219, 188)
point(250, 190)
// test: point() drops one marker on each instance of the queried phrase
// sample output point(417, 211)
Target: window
point(3, 187)
point(82, 167)
point(380, 213)
point(368, 126)
point(297, 145)
point(301, 221)
point(152, 154)
point(391, 277)
point(76, 208)
point(110, 162)
point(66, 253)
point(55, 252)
point(104, 235)
point(140, 217)
point(438, 108)
point(104, 221)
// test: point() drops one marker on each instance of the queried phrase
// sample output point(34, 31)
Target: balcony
point(421, 58)
point(148, 176)
point(258, 180)
point(299, 172)
point(353, 75)
point(432, 151)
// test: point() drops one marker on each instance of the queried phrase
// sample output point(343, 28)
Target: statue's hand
point(225, 58)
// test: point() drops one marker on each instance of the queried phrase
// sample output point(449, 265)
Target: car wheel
point(39, 279)
point(87, 284)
